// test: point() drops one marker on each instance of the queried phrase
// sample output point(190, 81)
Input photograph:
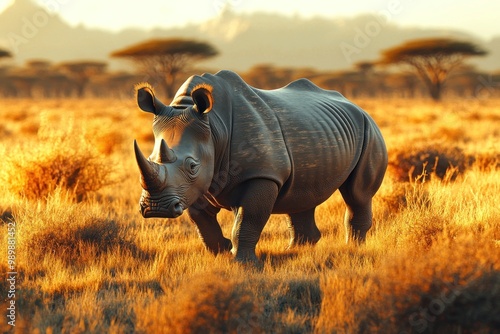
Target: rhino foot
point(302, 229)
point(247, 259)
point(221, 246)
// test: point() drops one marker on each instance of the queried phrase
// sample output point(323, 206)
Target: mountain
point(33, 32)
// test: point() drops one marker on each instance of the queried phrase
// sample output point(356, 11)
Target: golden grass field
point(88, 262)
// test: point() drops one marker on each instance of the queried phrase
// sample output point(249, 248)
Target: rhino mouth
point(161, 208)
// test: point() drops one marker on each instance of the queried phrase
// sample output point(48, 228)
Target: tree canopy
point(431, 47)
point(84, 66)
point(163, 59)
point(82, 71)
point(433, 59)
point(172, 47)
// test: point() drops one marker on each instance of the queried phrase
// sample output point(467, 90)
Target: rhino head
point(181, 167)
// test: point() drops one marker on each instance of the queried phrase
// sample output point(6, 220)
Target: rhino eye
point(192, 166)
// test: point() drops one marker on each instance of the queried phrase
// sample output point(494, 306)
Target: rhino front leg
point(302, 228)
point(256, 202)
point(205, 218)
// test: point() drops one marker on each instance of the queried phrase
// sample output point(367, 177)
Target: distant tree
point(81, 72)
point(39, 71)
point(4, 54)
point(163, 59)
point(263, 76)
point(22, 81)
point(114, 84)
point(366, 71)
point(268, 76)
point(404, 84)
point(432, 59)
point(38, 64)
point(365, 67)
point(5, 87)
point(347, 82)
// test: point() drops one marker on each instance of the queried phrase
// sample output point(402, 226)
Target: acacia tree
point(81, 71)
point(432, 59)
point(4, 87)
point(163, 59)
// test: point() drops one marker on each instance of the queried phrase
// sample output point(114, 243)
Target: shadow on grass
point(82, 244)
point(276, 259)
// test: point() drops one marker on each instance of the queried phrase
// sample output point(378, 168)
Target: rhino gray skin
point(222, 144)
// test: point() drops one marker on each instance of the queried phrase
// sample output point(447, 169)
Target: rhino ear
point(146, 98)
point(202, 97)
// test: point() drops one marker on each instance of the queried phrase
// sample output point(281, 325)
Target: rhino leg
point(357, 220)
point(360, 187)
point(302, 228)
point(205, 218)
point(255, 204)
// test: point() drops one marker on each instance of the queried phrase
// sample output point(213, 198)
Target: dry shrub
point(60, 159)
point(208, 303)
point(452, 288)
point(430, 160)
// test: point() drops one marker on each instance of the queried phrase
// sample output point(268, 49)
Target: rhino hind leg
point(357, 220)
point(360, 187)
point(302, 228)
point(357, 193)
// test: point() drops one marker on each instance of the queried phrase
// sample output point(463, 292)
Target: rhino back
point(308, 140)
point(323, 134)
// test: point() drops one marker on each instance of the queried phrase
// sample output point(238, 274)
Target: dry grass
point(57, 159)
point(88, 263)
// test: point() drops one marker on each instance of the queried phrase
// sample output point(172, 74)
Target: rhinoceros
point(223, 144)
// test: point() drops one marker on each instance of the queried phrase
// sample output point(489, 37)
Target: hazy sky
point(479, 17)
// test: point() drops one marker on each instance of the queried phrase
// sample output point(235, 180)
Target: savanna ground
point(87, 262)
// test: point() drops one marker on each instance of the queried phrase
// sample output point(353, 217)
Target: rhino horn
point(166, 154)
point(150, 179)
